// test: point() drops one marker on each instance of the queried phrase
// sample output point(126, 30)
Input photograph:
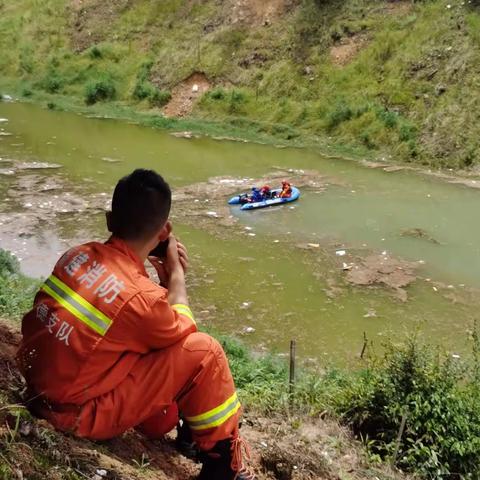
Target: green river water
point(249, 281)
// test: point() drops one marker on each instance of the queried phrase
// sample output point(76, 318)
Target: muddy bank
point(382, 270)
point(470, 178)
point(43, 213)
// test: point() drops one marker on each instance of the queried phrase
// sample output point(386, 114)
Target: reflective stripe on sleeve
point(216, 416)
point(77, 305)
point(184, 310)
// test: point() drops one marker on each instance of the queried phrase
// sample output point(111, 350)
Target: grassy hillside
point(398, 78)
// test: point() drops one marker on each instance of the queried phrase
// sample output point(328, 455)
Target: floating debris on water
point(419, 233)
point(36, 165)
point(111, 160)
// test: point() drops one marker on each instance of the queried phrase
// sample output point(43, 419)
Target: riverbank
point(236, 129)
point(356, 78)
point(436, 396)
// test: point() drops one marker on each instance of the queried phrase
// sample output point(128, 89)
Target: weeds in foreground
point(438, 395)
point(16, 290)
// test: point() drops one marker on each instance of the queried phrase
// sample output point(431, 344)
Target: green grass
point(386, 100)
point(16, 290)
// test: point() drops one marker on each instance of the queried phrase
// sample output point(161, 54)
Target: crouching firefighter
point(106, 349)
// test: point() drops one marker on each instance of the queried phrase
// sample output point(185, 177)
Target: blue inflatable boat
point(270, 202)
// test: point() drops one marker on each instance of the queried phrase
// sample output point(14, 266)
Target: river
point(263, 287)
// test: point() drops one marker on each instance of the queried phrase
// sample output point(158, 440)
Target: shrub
point(439, 397)
point(99, 90)
point(340, 113)
point(407, 132)
point(236, 100)
point(26, 63)
point(16, 290)
point(26, 92)
point(389, 118)
point(8, 264)
point(156, 97)
point(366, 139)
point(95, 53)
point(143, 90)
point(52, 82)
point(217, 94)
point(160, 98)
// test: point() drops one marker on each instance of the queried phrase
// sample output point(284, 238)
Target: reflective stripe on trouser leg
point(216, 416)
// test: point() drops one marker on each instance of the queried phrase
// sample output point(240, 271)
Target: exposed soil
point(88, 18)
point(383, 270)
point(258, 12)
point(398, 7)
point(344, 53)
point(185, 94)
point(298, 448)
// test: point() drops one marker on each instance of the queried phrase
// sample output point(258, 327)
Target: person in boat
point(244, 198)
point(256, 195)
point(286, 190)
point(266, 192)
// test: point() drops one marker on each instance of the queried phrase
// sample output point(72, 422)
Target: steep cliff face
point(392, 78)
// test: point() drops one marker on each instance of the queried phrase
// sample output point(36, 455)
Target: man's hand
point(176, 258)
point(183, 256)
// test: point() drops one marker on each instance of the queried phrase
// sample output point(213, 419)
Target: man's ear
point(165, 231)
point(108, 216)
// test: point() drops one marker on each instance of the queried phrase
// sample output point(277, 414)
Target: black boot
point(184, 442)
point(224, 462)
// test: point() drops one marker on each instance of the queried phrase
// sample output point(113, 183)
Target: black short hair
point(140, 205)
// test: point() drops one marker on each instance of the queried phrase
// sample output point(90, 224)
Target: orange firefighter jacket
point(90, 321)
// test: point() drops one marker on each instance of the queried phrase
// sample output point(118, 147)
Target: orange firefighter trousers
point(193, 374)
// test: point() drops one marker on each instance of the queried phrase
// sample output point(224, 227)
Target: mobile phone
point(160, 250)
